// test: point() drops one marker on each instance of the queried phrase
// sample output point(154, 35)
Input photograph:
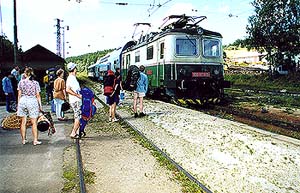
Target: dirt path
point(120, 164)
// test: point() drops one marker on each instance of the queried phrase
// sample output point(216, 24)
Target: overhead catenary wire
point(1, 20)
point(151, 5)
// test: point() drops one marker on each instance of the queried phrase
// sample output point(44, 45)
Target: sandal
point(37, 143)
point(24, 141)
point(75, 136)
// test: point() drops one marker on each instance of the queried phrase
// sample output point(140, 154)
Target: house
point(37, 57)
point(41, 59)
point(245, 56)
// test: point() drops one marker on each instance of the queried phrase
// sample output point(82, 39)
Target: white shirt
point(73, 84)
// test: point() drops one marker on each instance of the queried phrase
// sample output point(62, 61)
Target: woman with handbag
point(59, 94)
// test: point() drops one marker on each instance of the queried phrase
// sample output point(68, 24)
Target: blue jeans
point(9, 98)
point(58, 103)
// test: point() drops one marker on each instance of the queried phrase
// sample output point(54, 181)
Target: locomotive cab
point(182, 61)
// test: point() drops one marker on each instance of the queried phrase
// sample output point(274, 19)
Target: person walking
point(140, 92)
point(73, 88)
point(8, 91)
point(29, 104)
point(113, 99)
point(46, 84)
point(59, 94)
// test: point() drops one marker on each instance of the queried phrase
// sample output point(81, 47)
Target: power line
point(125, 3)
point(1, 20)
point(151, 5)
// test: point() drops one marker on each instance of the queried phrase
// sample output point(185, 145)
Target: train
point(108, 62)
point(182, 60)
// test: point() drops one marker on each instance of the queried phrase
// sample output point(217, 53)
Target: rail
point(181, 169)
point(80, 168)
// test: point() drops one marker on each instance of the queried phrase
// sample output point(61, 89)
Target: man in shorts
point(73, 88)
point(140, 92)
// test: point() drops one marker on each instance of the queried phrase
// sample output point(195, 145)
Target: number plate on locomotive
point(200, 74)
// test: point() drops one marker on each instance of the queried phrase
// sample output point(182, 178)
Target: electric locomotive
point(182, 60)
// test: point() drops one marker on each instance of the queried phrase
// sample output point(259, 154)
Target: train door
point(126, 62)
point(161, 63)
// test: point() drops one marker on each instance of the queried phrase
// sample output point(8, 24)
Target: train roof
point(186, 24)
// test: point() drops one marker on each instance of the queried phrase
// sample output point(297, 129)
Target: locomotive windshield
point(211, 48)
point(186, 47)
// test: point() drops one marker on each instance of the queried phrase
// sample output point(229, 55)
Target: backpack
point(88, 108)
point(109, 83)
point(51, 76)
point(132, 77)
point(46, 79)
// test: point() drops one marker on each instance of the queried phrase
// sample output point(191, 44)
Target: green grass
point(290, 83)
point(70, 172)
point(263, 82)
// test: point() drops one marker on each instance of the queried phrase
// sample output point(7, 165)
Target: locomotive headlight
point(216, 72)
point(182, 71)
point(200, 31)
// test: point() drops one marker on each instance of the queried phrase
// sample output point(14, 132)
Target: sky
point(95, 25)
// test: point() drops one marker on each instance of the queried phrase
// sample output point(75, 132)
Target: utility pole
point(15, 35)
point(2, 36)
point(58, 34)
point(64, 28)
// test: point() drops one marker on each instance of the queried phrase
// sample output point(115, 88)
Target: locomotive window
point(211, 48)
point(150, 53)
point(162, 50)
point(137, 56)
point(186, 47)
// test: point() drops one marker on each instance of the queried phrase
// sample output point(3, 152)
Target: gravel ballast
point(224, 155)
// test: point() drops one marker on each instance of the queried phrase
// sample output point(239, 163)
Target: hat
point(71, 66)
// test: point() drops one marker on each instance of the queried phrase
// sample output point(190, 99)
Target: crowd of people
point(24, 90)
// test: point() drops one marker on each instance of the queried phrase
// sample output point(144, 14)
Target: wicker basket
point(12, 121)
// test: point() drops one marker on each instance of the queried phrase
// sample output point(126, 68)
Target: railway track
point(80, 167)
point(285, 123)
point(161, 118)
point(211, 149)
point(178, 166)
point(267, 92)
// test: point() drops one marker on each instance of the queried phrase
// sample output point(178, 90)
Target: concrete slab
point(28, 168)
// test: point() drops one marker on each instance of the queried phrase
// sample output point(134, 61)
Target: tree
point(6, 49)
point(243, 43)
point(275, 28)
point(85, 60)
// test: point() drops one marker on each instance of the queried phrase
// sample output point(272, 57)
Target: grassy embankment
point(282, 84)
